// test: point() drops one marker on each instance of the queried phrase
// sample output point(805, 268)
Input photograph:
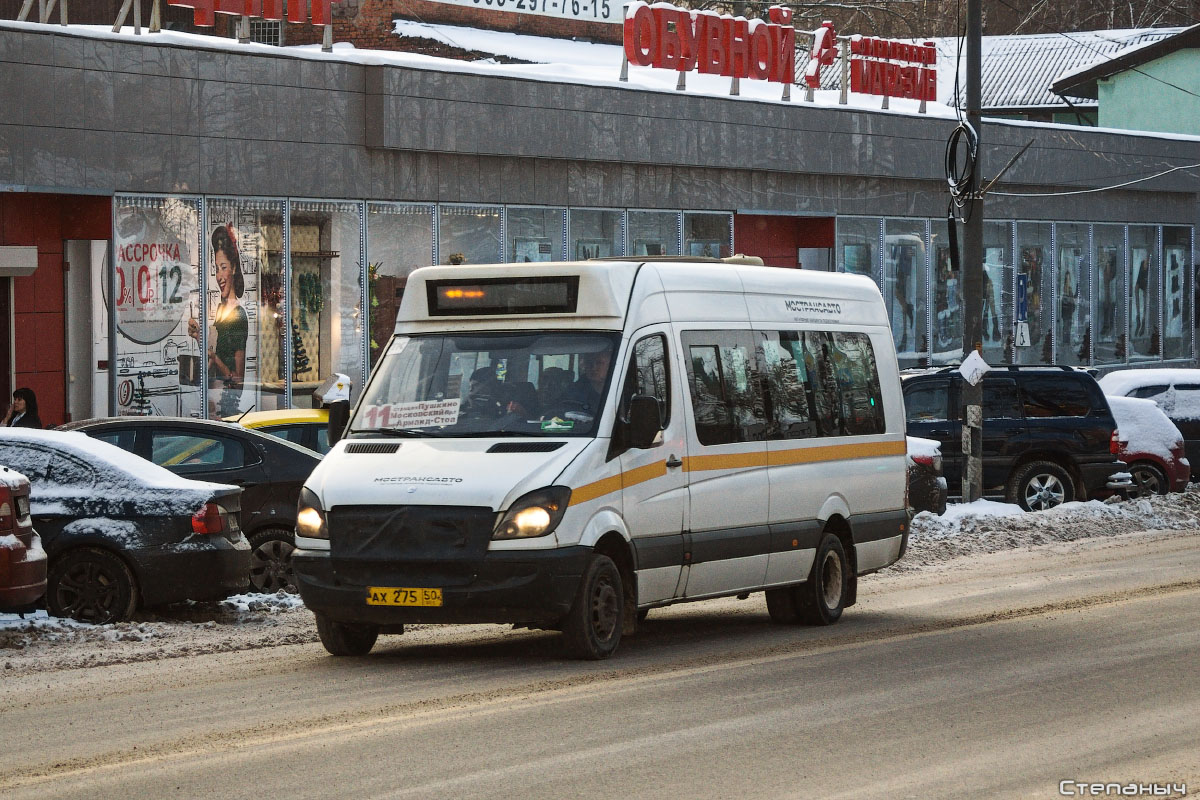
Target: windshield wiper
point(414, 433)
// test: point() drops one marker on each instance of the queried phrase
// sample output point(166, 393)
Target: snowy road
point(998, 674)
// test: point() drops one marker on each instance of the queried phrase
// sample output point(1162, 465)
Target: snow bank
point(988, 527)
point(1144, 427)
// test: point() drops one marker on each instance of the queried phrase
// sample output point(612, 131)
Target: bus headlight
point(535, 514)
point(310, 517)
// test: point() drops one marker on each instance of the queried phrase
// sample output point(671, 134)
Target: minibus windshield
point(488, 384)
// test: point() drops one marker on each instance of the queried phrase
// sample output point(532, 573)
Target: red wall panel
point(39, 304)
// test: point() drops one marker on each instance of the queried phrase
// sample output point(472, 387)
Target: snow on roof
point(1144, 427)
point(1123, 381)
point(556, 61)
point(1130, 47)
point(1018, 70)
point(102, 454)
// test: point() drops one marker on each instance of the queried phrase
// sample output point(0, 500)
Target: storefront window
point(1177, 291)
point(1033, 263)
point(535, 234)
point(399, 240)
point(707, 234)
point(469, 235)
point(326, 296)
point(947, 298)
point(858, 246)
point(654, 233)
point(905, 289)
point(158, 370)
point(1111, 344)
point(246, 300)
point(1145, 293)
point(595, 234)
point(997, 292)
point(1074, 324)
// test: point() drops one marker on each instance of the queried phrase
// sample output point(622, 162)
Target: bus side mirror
point(645, 421)
point(339, 415)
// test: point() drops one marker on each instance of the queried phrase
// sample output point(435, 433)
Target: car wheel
point(346, 639)
point(1040, 485)
point(1147, 480)
point(592, 628)
point(91, 585)
point(271, 561)
point(822, 598)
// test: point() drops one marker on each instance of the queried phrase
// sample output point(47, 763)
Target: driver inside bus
point(585, 393)
point(483, 400)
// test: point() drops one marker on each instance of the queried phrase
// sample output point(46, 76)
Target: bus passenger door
point(728, 540)
point(654, 490)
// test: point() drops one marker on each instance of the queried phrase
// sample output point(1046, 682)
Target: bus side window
point(723, 378)
point(649, 374)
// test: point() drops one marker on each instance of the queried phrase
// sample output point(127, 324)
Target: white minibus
point(568, 445)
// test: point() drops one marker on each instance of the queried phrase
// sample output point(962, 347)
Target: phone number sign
point(586, 10)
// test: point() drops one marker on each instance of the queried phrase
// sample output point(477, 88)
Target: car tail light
point(1114, 443)
point(8, 517)
point(210, 519)
point(926, 460)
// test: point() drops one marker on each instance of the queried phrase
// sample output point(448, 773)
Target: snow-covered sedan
point(1151, 445)
point(120, 531)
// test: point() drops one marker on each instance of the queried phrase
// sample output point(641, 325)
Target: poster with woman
point(1174, 259)
point(242, 239)
point(1071, 313)
point(1139, 293)
point(157, 269)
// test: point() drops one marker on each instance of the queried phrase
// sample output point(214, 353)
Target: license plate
point(399, 596)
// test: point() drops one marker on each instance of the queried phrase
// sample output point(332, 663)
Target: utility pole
point(972, 265)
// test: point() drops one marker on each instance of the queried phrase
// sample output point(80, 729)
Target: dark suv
point(1048, 434)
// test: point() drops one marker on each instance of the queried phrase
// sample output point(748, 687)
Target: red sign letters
point(265, 9)
point(873, 68)
point(673, 38)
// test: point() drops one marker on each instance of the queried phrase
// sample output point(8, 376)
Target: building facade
point(128, 163)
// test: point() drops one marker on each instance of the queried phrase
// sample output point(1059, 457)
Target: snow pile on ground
point(252, 604)
point(38, 642)
point(989, 527)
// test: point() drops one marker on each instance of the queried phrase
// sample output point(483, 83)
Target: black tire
point(1040, 485)
point(271, 561)
point(1148, 479)
point(782, 605)
point(345, 639)
point(822, 598)
point(91, 585)
point(592, 628)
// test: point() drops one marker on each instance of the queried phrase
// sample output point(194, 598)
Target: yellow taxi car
point(307, 427)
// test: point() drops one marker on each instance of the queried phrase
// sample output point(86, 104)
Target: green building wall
point(1136, 101)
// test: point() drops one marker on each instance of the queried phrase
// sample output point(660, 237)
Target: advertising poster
point(240, 279)
point(1139, 293)
point(947, 327)
point(1108, 264)
point(1174, 260)
point(1072, 306)
point(157, 259)
point(995, 279)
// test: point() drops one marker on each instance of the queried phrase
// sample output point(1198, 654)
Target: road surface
point(998, 675)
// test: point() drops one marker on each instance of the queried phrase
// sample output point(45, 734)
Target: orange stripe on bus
point(800, 455)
